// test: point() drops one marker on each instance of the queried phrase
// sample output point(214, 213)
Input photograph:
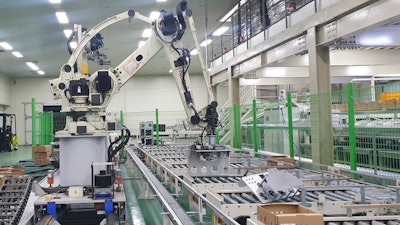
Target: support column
point(321, 113)
point(234, 98)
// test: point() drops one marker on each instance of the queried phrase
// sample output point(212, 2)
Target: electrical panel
point(146, 133)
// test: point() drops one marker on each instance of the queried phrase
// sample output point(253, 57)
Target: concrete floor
point(24, 152)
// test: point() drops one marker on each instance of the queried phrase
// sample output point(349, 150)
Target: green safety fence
point(47, 124)
point(46, 128)
point(364, 134)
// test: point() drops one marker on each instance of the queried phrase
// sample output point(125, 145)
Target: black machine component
point(81, 130)
point(103, 82)
point(8, 137)
point(211, 117)
point(79, 87)
point(168, 26)
point(118, 143)
point(102, 180)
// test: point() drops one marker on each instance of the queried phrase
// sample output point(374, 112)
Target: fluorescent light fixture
point(375, 41)
point(154, 15)
point(55, 1)
point(141, 43)
point(5, 45)
point(32, 66)
point(73, 44)
point(40, 72)
point(194, 52)
point(358, 70)
point(62, 17)
point(146, 33)
point(220, 31)
point(205, 43)
point(17, 54)
point(67, 33)
point(161, 0)
point(227, 16)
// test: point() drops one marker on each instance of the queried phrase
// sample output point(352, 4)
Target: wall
point(146, 93)
point(141, 93)
point(22, 90)
point(4, 92)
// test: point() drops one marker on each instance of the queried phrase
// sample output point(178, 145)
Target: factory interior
point(224, 112)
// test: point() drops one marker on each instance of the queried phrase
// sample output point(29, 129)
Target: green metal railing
point(365, 127)
point(46, 128)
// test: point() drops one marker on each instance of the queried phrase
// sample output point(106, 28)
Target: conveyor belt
point(322, 192)
point(14, 194)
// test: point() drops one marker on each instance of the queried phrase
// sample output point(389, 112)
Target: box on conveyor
point(41, 148)
point(41, 154)
point(278, 214)
point(280, 161)
point(41, 161)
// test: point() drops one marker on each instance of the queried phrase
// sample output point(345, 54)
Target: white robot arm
point(84, 97)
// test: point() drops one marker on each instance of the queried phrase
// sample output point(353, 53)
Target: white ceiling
point(32, 29)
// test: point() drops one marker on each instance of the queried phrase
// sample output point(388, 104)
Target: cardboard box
point(375, 106)
point(280, 161)
point(12, 170)
point(390, 104)
point(41, 161)
point(41, 148)
point(278, 214)
point(2, 178)
point(41, 155)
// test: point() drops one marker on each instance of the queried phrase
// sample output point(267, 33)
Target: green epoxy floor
point(24, 152)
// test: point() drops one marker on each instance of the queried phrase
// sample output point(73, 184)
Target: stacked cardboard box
point(278, 214)
point(280, 161)
point(11, 171)
point(41, 154)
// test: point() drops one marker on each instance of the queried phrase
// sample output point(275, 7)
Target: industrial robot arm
point(85, 97)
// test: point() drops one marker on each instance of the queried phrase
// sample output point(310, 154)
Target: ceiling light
point(32, 66)
point(146, 33)
point(154, 15)
point(205, 43)
point(55, 1)
point(220, 31)
point(17, 54)
point(62, 17)
point(5, 45)
point(194, 52)
point(40, 72)
point(73, 44)
point(141, 43)
point(170, 71)
point(67, 33)
point(161, 0)
point(375, 41)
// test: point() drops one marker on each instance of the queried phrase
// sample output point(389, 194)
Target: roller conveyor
point(324, 192)
point(14, 194)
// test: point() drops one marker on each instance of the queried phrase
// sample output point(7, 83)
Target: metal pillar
point(290, 124)
point(255, 129)
point(121, 121)
point(33, 121)
point(233, 88)
point(352, 135)
point(157, 130)
point(321, 114)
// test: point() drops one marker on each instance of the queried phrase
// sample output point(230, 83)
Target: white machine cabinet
point(77, 152)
